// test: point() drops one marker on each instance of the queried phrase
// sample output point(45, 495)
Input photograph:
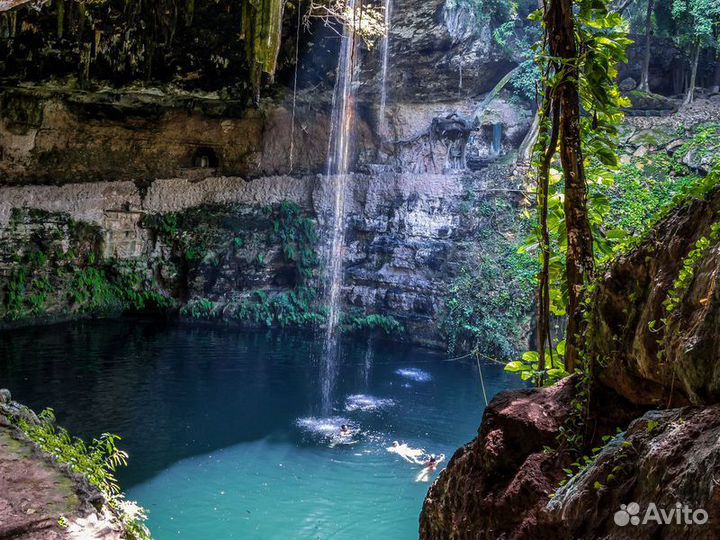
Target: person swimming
point(411, 455)
point(344, 431)
point(429, 467)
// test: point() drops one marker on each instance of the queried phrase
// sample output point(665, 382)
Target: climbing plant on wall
point(582, 43)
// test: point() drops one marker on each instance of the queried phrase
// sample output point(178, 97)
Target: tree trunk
point(693, 76)
point(645, 77)
point(560, 24)
point(543, 325)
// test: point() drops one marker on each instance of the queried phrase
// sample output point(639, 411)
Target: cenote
point(222, 429)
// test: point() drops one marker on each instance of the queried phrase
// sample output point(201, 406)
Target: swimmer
point(411, 455)
point(430, 466)
point(344, 436)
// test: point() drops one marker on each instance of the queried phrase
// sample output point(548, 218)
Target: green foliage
point(696, 21)
point(91, 290)
point(704, 143)
point(297, 235)
point(294, 308)
point(112, 287)
point(526, 79)
point(357, 323)
point(487, 311)
point(642, 188)
point(211, 235)
point(49, 276)
point(97, 462)
point(586, 461)
point(528, 367)
point(200, 308)
point(27, 289)
point(488, 11)
point(695, 188)
point(601, 39)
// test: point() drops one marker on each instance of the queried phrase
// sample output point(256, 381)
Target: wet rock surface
point(487, 482)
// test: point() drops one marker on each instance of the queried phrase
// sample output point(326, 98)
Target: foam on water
point(324, 427)
point(415, 374)
point(363, 402)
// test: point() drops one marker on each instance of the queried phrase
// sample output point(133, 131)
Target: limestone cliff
point(218, 247)
point(149, 180)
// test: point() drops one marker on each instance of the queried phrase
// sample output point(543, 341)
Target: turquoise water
point(222, 425)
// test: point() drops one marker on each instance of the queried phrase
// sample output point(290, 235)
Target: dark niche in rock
point(205, 157)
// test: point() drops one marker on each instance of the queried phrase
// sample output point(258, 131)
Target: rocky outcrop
point(499, 485)
point(505, 485)
point(40, 498)
point(653, 356)
point(485, 483)
point(55, 136)
point(667, 461)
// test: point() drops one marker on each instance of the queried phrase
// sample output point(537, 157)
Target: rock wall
point(49, 136)
point(86, 141)
point(211, 246)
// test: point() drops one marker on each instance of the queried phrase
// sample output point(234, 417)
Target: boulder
point(674, 146)
point(478, 494)
point(642, 102)
point(506, 483)
point(700, 161)
point(666, 458)
point(628, 84)
point(627, 315)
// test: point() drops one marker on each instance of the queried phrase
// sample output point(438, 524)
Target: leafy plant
point(530, 370)
point(201, 308)
point(491, 320)
point(96, 461)
point(364, 323)
point(294, 308)
point(298, 238)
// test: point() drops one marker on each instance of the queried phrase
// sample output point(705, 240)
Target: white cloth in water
point(411, 455)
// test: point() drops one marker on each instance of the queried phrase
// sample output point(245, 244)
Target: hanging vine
point(579, 116)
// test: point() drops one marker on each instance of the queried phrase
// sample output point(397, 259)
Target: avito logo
point(680, 514)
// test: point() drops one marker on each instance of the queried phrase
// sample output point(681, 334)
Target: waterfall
point(338, 163)
point(382, 127)
point(497, 139)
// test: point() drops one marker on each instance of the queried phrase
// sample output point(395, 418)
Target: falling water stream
point(382, 124)
point(338, 163)
point(497, 139)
